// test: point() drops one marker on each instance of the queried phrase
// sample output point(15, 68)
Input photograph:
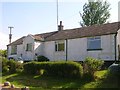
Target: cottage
point(98, 41)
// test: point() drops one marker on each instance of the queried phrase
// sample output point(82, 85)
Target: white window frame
point(58, 45)
point(29, 47)
point(94, 40)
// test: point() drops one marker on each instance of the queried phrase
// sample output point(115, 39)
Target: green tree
point(3, 53)
point(95, 12)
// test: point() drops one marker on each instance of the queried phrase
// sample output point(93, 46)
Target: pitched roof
point(94, 30)
point(18, 41)
point(42, 36)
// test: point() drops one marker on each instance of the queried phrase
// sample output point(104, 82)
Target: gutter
point(66, 49)
point(115, 47)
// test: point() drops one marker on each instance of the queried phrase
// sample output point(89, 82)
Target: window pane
point(56, 47)
point(14, 49)
point(94, 44)
point(61, 47)
point(29, 47)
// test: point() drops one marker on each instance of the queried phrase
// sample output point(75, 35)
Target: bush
point(14, 66)
point(5, 69)
point(11, 66)
point(61, 69)
point(42, 58)
point(91, 65)
point(4, 65)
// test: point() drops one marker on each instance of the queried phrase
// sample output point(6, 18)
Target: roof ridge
point(44, 33)
point(93, 25)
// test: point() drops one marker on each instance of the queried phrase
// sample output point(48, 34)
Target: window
point(59, 46)
point(29, 47)
point(94, 43)
point(14, 49)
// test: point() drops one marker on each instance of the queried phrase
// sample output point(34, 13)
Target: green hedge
point(60, 69)
point(11, 66)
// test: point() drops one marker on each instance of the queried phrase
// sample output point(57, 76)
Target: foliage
point(11, 66)
point(60, 69)
point(91, 65)
point(3, 63)
point(96, 12)
point(37, 82)
point(14, 66)
point(42, 58)
point(3, 53)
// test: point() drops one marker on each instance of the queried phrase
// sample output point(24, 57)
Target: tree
point(3, 53)
point(95, 12)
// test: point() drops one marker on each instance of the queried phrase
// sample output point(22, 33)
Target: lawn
point(43, 82)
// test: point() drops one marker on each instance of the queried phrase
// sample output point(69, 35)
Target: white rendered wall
point(28, 55)
point(77, 49)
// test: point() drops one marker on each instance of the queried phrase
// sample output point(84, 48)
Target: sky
point(40, 16)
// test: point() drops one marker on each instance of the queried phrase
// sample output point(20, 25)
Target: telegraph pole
point(10, 35)
point(57, 13)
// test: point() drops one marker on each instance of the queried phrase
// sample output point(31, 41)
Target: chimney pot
point(60, 22)
point(60, 27)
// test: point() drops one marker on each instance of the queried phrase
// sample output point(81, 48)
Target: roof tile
point(95, 30)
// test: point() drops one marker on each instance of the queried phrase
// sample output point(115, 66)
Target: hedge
point(60, 69)
point(11, 66)
point(42, 59)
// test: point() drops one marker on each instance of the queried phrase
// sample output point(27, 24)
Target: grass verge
point(49, 83)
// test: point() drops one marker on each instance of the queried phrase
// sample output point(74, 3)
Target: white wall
point(107, 52)
point(77, 49)
point(38, 48)
point(19, 51)
point(49, 52)
point(118, 37)
point(118, 42)
point(28, 55)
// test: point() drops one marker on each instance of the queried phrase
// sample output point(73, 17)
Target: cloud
point(4, 40)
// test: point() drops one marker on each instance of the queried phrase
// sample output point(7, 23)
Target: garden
point(62, 75)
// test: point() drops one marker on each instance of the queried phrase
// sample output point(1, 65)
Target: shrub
point(4, 65)
point(61, 69)
point(42, 58)
point(14, 66)
point(91, 65)
point(5, 69)
point(11, 66)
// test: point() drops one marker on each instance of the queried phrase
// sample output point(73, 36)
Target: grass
point(42, 82)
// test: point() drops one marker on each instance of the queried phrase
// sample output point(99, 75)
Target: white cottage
point(98, 41)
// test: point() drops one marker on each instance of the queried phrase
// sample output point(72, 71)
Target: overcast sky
point(40, 16)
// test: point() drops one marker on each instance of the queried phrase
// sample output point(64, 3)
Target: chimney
point(60, 27)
